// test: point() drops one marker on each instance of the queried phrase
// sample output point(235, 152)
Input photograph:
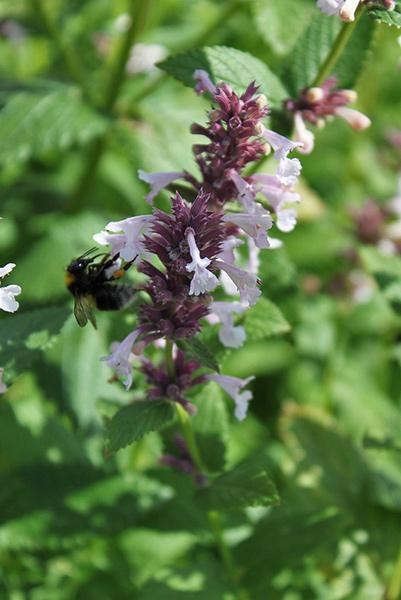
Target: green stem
point(116, 78)
point(393, 591)
point(69, 57)
point(337, 49)
point(169, 359)
point(189, 436)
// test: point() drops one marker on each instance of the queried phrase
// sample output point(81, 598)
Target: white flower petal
point(233, 387)
point(203, 280)
point(6, 269)
point(119, 359)
point(8, 302)
point(158, 181)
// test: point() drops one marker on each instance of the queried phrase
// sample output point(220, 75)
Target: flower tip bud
point(357, 120)
point(350, 95)
point(261, 101)
point(314, 94)
point(347, 15)
point(266, 149)
point(258, 128)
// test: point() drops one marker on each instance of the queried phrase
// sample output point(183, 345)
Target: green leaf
point(211, 425)
point(246, 485)
point(388, 17)
point(34, 125)
point(196, 349)
point(385, 443)
point(385, 268)
point(265, 320)
point(132, 422)
point(24, 335)
point(281, 23)
point(230, 65)
point(314, 46)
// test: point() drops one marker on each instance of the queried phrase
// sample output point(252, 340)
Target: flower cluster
point(187, 253)
point(316, 104)
point(346, 9)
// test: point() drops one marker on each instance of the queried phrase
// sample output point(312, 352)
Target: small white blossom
point(8, 302)
point(246, 192)
point(280, 144)
point(286, 219)
point(129, 243)
point(303, 134)
point(158, 181)
point(203, 280)
point(143, 58)
point(255, 225)
point(230, 335)
point(119, 359)
point(246, 283)
point(233, 387)
point(345, 9)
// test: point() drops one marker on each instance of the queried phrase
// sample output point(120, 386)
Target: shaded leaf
point(246, 485)
point(265, 320)
point(132, 422)
point(388, 17)
point(196, 349)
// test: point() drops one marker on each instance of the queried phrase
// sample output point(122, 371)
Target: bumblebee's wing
point(83, 311)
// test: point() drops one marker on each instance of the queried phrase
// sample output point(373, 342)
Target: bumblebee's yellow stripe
point(69, 278)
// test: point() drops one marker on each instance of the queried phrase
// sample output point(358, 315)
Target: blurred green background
point(326, 413)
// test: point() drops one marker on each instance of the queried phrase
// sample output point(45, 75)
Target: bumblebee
point(93, 285)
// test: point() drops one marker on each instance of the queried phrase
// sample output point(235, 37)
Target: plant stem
point(393, 591)
point(116, 78)
point(189, 436)
point(70, 59)
point(169, 358)
point(337, 49)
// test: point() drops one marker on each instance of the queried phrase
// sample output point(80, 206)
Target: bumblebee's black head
point(78, 265)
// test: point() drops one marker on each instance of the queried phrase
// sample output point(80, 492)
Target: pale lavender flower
point(203, 280)
point(158, 181)
point(119, 359)
point(254, 225)
point(233, 387)
point(280, 144)
point(8, 303)
point(246, 283)
point(345, 9)
point(129, 243)
point(230, 335)
point(204, 83)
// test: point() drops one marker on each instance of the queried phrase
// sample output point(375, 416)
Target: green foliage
point(247, 485)
point(265, 320)
point(228, 64)
point(392, 17)
point(60, 116)
point(23, 337)
point(133, 421)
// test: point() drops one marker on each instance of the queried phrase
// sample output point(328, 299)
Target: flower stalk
point(337, 49)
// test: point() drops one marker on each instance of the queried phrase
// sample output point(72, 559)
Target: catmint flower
point(233, 387)
point(8, 303)
point(3, 387)
point(316, 104)
point(246, 283)
point(158, 181)
point(129, 243)
point(230, 335)
point(202, 280)
point(186, 242)
point(120, 357)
